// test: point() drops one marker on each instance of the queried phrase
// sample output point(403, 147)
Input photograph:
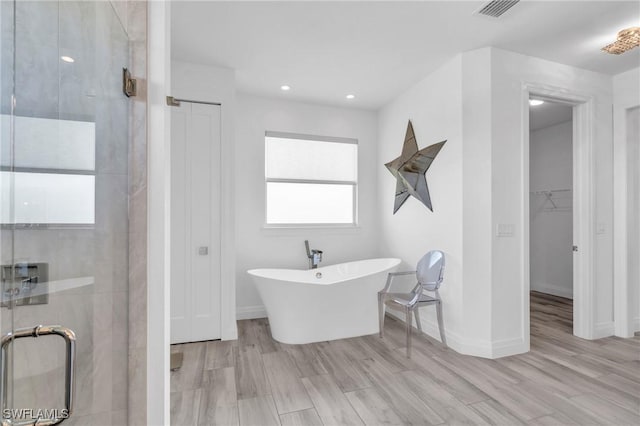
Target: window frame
point(353, 184)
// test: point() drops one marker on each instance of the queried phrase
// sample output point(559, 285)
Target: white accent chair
point(429, 272)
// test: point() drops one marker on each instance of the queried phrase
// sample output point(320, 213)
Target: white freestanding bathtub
point(327, 303)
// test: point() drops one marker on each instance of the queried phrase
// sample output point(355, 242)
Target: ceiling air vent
point(496, 8)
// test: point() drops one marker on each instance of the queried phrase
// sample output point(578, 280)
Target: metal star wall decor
point(409, 170)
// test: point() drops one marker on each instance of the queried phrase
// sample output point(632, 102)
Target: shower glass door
point(63, 213)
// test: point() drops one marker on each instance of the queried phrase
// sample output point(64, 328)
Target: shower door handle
point(70, 365)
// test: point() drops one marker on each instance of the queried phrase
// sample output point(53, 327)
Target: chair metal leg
point(409, 325)
point(416, 312)
point(381, 314)
point(440, 323)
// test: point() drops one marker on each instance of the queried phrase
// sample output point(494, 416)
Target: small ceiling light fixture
point(285, 87)
point(350, 96)
point(535, 102)
point(627, 40)
point(67, 59)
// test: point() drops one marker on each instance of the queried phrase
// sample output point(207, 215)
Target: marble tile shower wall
point(134, 15)
point(87, 90)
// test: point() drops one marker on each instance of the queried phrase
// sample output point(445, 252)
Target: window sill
point(306, 228)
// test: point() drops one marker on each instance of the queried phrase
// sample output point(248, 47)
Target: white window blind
point(310, 179)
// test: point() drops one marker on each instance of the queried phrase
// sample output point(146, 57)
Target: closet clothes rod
point(550, 191)
point(549, 195)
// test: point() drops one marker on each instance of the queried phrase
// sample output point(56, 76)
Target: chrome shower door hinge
point(129, 85)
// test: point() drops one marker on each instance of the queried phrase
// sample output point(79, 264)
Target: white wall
point(204, 83)
point(434, 106)
point(477, 228)
point(156, 365)
point(551, 165)
point(626, 103)
point(259, 247)
point(477, 182)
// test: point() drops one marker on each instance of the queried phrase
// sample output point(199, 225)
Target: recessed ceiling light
point(285, 87)
point(350, 96)
point(535, 102)
point(67, 59)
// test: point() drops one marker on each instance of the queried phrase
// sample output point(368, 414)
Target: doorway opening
point(550, 216)
point(582, 204)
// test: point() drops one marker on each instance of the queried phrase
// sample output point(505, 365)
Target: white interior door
point(195, 222)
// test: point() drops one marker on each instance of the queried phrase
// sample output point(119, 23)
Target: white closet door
point(195, 222)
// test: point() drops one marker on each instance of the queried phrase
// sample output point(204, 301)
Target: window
point(310, 180)
point(52, 181)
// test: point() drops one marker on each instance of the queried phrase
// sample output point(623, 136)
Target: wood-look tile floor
point(367, 380)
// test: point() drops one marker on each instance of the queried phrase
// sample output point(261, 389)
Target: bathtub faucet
point(315, 256)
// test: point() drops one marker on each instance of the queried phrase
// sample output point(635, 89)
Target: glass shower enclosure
point(64, 138)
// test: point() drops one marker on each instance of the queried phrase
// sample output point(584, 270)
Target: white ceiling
point(376, 50)
point(549, 114)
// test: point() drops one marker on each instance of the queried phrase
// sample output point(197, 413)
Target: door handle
point(70, 365)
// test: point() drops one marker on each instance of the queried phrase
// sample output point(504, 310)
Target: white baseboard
point(508, 347)
point(636, 324)
point(554, 290)
point(250, 312)
point(604, 329)
point(467, 346)
point(474, 347)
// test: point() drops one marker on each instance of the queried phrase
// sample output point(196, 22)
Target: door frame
point(623, 296)
point(584, 207)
